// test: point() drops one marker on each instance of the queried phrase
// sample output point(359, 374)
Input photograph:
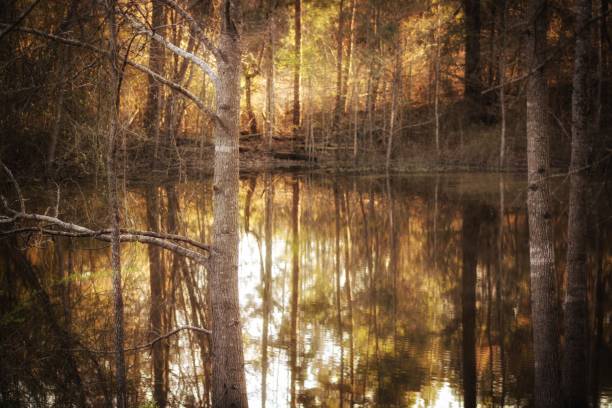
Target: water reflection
point(360, 291)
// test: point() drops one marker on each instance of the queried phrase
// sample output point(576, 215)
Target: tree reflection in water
point(409, 291)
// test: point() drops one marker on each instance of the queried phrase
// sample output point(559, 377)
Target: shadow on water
point(410, 291)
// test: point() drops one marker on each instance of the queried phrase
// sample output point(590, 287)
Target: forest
point(337, 203)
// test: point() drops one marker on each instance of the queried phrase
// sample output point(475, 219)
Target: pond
point(355, 291)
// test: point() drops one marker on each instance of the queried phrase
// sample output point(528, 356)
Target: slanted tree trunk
point(473, 67)
point(228, 380)
point(544, 298)
point(575, 317)
point(297, 67)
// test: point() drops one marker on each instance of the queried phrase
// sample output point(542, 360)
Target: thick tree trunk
point(228, 380)
point(469, 244)
point(575, 324)
point(473, 67)
point(544, 298)
point(297, 67)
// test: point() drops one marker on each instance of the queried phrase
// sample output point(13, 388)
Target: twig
point(23, 15)
point(152, 342)
point(16, 185)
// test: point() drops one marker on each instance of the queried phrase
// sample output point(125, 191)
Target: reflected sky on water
point(366, 303)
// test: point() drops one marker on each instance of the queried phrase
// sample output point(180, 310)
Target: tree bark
point(473, 67)
point(469, 245)
point(228, 380)
point(270, 122)
point(113, 132)
point(544, 298)
point(267, 284)
point(156, 63)
point(575, 305)
point(297, 68)
point(295, 284)
point(502, 91)
point(339, 54)
point(156, 279)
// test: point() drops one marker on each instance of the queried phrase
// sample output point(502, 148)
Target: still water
point(353, 293)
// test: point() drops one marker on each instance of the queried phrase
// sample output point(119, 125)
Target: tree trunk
point(267, 287)
point(295, 285)
point(469, 244)
point(348, 67)
point(297, 68)
point(601, 64)
point(502, 92)
point(544, 300)
point(575, 308)
point(156, 279)
point(156, 63)
point(396, 88)
point(251, 119)
point(339, 54)
point(121, 386)
point(228, 380)
point(270, 122)
point(473, 68)
point(437, 85)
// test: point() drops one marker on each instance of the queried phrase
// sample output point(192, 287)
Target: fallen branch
point(68, 229)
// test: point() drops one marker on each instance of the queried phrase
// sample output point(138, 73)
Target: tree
point(544, 298)
point(113, 132)
point(229, 384)
point(151, 121)
point(297, 67)
point(575, 317)
point(473, 67)
point(469, 245)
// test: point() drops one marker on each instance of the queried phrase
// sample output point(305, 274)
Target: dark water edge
point(386, 313)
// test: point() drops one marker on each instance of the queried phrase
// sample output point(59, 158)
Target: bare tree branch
point(141, 28)
point(195, 26)
point(152, 342)
point(172, 85)
point(9, 173)
point(11, 27)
